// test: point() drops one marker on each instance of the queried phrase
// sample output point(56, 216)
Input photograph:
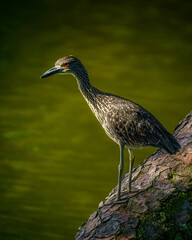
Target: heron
point(125, 122)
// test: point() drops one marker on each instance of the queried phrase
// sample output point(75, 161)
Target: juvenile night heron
point(124, 121)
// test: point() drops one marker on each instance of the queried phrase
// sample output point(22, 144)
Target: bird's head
point(64, 65)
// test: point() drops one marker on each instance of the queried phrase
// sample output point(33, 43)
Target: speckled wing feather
point(136, 127)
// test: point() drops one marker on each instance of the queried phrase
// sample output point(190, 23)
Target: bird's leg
point(120, 172)
point(131, 161)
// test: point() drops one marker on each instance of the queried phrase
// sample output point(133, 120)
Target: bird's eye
point(66, 65)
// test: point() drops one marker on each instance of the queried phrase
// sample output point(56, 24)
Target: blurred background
point(56, 162)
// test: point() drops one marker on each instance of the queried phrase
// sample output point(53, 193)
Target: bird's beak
point(52, 71)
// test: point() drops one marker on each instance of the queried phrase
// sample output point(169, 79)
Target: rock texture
point(160, 206)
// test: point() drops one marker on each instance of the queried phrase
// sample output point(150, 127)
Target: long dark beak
point(52, 71)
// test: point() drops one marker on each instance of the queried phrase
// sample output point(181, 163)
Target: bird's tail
point(170, 143)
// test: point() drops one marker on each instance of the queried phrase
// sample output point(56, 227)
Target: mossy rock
point(173, 221)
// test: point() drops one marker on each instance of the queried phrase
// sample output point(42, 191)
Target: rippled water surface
point(56, 163)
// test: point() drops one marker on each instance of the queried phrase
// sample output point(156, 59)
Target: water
point(56, 163)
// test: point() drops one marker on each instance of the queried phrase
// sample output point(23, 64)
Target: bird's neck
point(88, 91)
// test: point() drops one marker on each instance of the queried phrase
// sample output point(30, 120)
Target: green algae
point(173, 221)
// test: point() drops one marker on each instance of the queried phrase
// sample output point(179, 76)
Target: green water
point(56, 163)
